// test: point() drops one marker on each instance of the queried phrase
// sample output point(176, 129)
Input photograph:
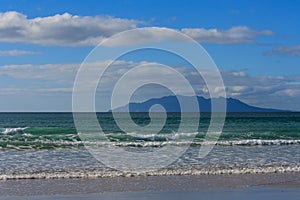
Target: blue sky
point(259, 40)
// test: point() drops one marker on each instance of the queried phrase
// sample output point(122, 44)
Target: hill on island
point(171, 104)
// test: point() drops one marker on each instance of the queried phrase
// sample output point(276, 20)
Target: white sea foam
point(143, 144)
point(7, 131)
point(250, 142)
point(253, 142)
point(172, 136)
point(162, 172)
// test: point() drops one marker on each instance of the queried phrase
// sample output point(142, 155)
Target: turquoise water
point(57, 130)
point(46, 145)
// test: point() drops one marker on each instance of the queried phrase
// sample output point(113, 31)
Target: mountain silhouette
point(171, 104)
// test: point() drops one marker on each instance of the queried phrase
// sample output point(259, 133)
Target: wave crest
point(11, 131)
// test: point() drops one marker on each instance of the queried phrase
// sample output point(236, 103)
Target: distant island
point(171, 104)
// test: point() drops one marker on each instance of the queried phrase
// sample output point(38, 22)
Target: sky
point(255, 45)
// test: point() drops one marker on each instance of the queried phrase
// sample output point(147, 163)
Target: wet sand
point(234, 186)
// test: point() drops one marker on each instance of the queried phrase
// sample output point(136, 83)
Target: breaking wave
point(8, 131)
point(104, 173)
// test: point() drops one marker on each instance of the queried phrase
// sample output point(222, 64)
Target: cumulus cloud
point(16, 52)
point(73, 30)
point(276, 92)
point(285, 50)
point(60, 29)
point(265, 91)
point(142, 36)
point(44, 72)
point(234, 35)
point(64, 72)
point(282, 92)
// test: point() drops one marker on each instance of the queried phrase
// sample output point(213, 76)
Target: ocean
point(46, 145)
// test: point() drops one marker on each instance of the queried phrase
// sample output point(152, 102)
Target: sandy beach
point(241, 186)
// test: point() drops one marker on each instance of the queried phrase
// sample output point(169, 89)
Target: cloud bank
point(72, 30)
point(60, 29)
point(234, 35)
point(276, 92)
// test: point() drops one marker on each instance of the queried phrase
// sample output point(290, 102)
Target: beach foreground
point(233, 186)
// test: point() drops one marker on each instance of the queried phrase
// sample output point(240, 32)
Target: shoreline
point(85, 186)
point(184, 171)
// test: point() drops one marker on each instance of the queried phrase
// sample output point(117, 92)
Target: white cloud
point(285, 50)
point(63, 72)
point(143, 36)
point(72, 30)
point(234, 35)
point(44, 72)
point(16, 52)
point(288, 92)
point(277, 92)
point(60, 29)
